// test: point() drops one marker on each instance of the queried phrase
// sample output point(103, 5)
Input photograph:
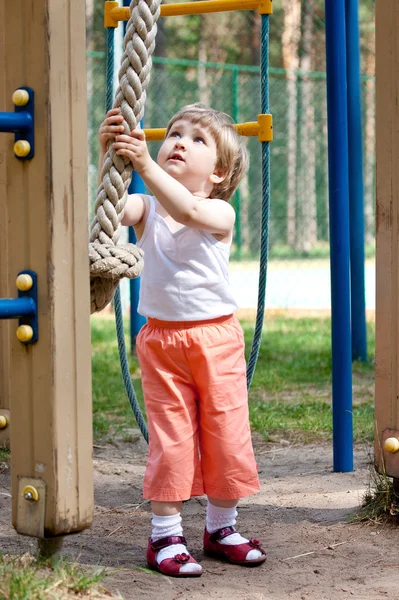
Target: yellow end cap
point(24, 282)
point(3, 422)
point(265, 123)
point(24, 333)
point(109, 19)
point(20, 97)
point(22, 148)
point(391, 445)
point(265, 7)
point(30, 489)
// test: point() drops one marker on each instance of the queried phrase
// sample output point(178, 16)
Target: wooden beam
point(50, 381)
point(4, 333)
point(387, 259)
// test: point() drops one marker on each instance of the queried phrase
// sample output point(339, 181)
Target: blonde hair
point(232, 156)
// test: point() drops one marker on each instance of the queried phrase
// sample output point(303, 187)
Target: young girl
point(191, 350)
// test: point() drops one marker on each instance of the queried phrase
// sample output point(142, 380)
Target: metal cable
point(120, 333)
point(264, 228)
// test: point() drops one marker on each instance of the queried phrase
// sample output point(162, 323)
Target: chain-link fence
point(299, 168)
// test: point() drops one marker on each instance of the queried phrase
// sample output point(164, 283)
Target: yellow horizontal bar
point(262, 129)
point(154, 135)
point(114, 13)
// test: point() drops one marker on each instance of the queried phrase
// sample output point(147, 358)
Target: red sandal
point(170, 566)
point(235, 554)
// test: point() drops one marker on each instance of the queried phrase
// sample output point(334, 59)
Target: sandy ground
point(300, 515)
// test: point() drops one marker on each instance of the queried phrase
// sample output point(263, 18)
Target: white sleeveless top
point(185, 274)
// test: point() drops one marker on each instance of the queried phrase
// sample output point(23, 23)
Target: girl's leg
point(223, 503)
point(173, 470)
point(166, 523)
point(166, 509)
point(221, 514)
point(228, 463)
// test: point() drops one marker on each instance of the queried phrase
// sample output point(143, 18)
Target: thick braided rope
point(108, 262)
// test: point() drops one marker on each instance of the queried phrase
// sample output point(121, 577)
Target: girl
point(191, 350)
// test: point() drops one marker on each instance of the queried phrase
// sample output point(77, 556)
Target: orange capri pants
point(195, 393)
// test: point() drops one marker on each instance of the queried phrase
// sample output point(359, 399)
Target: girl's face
point(189, 154)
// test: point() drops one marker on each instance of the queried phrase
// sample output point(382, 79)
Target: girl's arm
point(214, 216)
point(134, 210)
point(109, 129)
point(211, 215)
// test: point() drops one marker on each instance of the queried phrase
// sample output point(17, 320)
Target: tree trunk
point(92, 134)
point(244, 193)
point(255, 37)
point(325, 154)
point(369, 172)
point(290, 41)
point(203, 88)
point(306, 235)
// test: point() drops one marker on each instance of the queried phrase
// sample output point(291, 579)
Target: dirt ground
point(301, 516)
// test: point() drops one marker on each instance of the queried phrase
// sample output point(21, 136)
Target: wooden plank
point(50, 381)
point(31, 513)
point(5, 104)
point(387, 298)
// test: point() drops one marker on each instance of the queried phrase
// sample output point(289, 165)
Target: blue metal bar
point(337, 115)
point(125, 3)
point(356, 191)
point(14, 308)
point(21, 123)
point(27, 134)
point(15, 121)
point(136, 320)
point(109, 98)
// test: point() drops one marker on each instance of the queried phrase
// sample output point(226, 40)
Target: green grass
point(281, 252)
point(380, 502)
point(112, 415)
point(25, 578)
point(290, 396)
point(4, 455)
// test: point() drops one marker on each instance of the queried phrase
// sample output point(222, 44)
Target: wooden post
point(50, 381)
point(4, 335)
point(387, 263)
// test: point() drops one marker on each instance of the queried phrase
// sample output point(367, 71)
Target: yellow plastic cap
point(24, 333)
point(22, 148)
point(391, 445)
point(265, 7)
point(24, 282)
point(110, 19)
point(265, 123)
point(32, 491)
point(20, 97)
point(3, 422)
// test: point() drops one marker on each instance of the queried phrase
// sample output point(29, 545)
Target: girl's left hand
point(135, 148)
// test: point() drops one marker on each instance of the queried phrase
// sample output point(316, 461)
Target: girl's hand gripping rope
point(110, 128)
point(134, 147)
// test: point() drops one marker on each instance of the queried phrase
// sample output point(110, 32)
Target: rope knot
point(109, 262)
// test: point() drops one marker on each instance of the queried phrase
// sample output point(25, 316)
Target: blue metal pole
point(339, 235)
point(13, 308)
point(356, 192)
point(136, 320)
point(15, 121)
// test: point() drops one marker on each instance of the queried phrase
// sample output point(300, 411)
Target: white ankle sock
point(218, 517)
point(165, 527)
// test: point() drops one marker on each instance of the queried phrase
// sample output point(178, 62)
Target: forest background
point(215, 59)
